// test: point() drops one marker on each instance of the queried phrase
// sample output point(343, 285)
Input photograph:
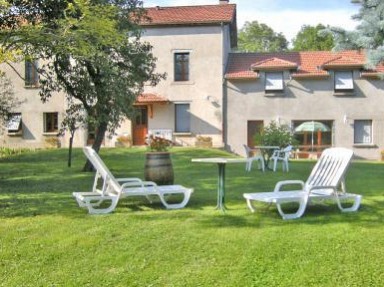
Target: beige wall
point(32, 110)
point(308, 100)
point(208, 50)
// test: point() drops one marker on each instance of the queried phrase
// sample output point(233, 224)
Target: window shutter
point(274, 81)
point(343, 81)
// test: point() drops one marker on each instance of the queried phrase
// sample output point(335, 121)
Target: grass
point(47, 240)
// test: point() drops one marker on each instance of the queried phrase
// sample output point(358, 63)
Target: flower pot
point(158, 168)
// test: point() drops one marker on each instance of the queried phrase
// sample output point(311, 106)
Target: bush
point(275, 135)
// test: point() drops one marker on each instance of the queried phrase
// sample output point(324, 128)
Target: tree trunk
point(101, 130)
point(70, 151)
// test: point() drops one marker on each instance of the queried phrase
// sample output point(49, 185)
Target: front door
point(140, 125)
point(254, 128)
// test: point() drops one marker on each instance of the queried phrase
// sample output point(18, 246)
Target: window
point(14, 123)
point(51, 122)
point(363, 132)
point(31, 74)
point(181, 67)
point(274, 82)
point(182, 118)
point(343, 81)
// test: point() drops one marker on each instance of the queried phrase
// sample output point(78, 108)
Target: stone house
point(191, 43)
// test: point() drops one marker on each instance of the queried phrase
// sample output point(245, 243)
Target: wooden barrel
point(158, 168)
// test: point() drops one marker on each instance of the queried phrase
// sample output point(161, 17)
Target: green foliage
point(7, 152)
point(309, 39)
point(258, 37)
point(368, 35)
point(93, 53)
point(47, 240)
point(8, 101)
point(275, 135)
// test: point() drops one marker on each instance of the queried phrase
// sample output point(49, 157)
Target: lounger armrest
point(136, 182)
point(282, 183)
point(313, 189)
point(128, 179)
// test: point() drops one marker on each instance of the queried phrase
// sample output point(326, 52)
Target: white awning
point(14, 123)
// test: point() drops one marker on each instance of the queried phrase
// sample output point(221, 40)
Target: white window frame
point(363, 132)
point(343, 81)
point(274, 82)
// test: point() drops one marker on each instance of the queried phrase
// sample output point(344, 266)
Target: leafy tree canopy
point(368, 35)
point(258, 37)
point(309, 39)
point(90, 49)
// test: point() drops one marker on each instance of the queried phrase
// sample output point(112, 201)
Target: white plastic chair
point(251, 157)
point(283, 156)
point(326, 181)
point(113, 189)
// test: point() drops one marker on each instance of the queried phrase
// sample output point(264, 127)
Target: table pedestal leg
point(221, 187)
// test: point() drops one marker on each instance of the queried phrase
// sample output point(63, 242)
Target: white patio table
point(221, 163)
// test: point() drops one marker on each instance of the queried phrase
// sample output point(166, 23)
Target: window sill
point(188, 134)
point(51, 133)
point(181, 83)
point(31, 87)
point(15, 134)
point(364, 145)
point(274, 94)
point(344, 94)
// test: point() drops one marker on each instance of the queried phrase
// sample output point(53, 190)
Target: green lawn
point(47, 240)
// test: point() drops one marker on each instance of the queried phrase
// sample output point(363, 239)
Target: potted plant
point(158, 164)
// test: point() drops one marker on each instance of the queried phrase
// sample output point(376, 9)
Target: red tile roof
point(148, 98)
point(273, 64)
point(311, 64)
point(182, 15)
point(342, 62)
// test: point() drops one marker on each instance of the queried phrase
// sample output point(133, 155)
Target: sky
point(283, 16)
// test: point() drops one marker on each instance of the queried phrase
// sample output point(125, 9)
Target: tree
point(368, 35)
point(93, 53)
point(309, 39)
point(8, 101)
point(258, 37)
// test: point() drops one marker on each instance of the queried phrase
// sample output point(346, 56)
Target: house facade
point(191, 43)
point(331, 90)
point(229, 97)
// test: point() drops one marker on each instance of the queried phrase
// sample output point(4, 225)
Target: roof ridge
point(191, 6)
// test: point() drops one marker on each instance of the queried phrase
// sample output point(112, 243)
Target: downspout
point(224, 90)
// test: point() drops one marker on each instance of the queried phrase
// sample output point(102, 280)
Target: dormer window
point(274, 82)
point(343, 81)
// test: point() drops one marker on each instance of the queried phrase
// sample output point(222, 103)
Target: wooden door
point(140, 125)
point(254, 127)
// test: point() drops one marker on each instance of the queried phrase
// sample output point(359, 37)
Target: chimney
point(221, 2)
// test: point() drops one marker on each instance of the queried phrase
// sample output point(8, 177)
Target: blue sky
point(285, 16)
